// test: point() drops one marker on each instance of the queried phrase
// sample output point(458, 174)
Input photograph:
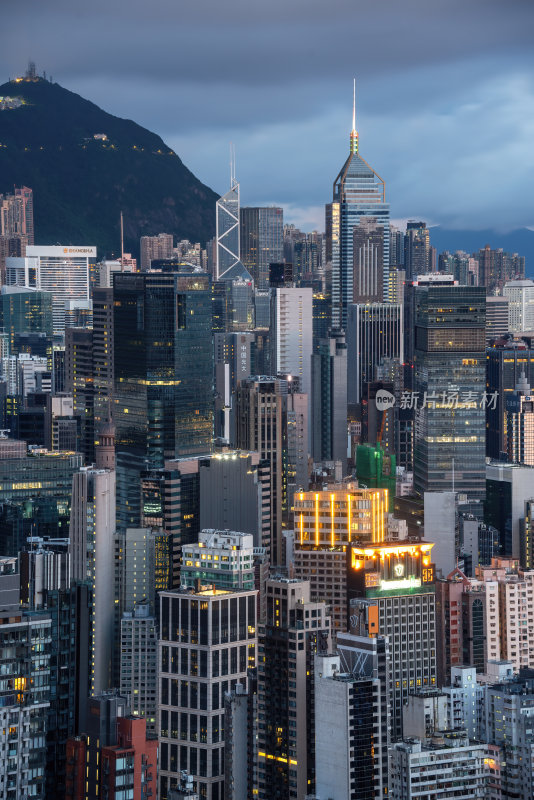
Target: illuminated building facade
point(325, 523)
point(520, 424)
point(224, 559)
point(294, 631)
point(207, 643)
point(163, 375)
point(391, 592)
point(358, 192)
point(450, 381)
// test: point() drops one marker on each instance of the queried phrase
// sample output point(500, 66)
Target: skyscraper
point(368, 256)
point(163, 375)
point(262, 241)
point(227, 226)
point(416, 250)
point(374, 333)
point(64, 271)
point(358, 191)
point(329, 399)
point(291, 331)
point(520, 296)
point(450, 428)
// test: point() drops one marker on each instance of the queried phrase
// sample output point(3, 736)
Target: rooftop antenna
point(232, 165)
point(354, 106)
point(122, 244)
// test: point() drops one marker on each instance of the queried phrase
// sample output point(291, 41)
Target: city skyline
point(424, 116)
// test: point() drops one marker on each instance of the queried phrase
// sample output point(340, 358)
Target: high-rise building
point(92, 526)
point(103, 355)
point(497, 267)
point(152, 247)
point(292, 335)
point(261, 241)
point(351, 728)
point(496, 317)
point(25, 644)
point(114, 756)
point(417, 250)
point(520, 423)
point(325, 523)
point(79, 382)
point(358, 192)
point(506, 360)
point(391, 592)
point(63, 271)
point(16, 214)
point(508, 487)
point(207, 643)
point(520, 295)
point(163, 375)
point(261, 426)
point(450, 443)
point(25, 311)
point(374, 333)
point(227, 225)
point(295, 630)
point(139, 663)
point(223, 559)
point(368, 257)
point(329, 399)
point(419, 770)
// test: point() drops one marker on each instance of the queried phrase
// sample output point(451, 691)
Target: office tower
point(441, 525)
point(233, 301)
point(496, 318)
point(358, 192)
point(102, 354)
point(160, 246)
point(368, 260)
point(262, 309)
point(261, 425)
point(321, 317)
point(291, 332)
point(329, 399)
point(497, 267)
point(450, 444)
point(139, 663)
point(261, 241)
point(222, 559)
point(25, 311)
point(63, 271)
point(92, 527)
point(526, 541)
point(233, 362)
point(25, 644)
point(419, 770)
point(135, 560)
point(35, 497)
point(350, 735)
point(416, 250)
point(374, 333)
point(520, 295)
point(296, 629)
point(207, 642)
point(307, 257)
point(508, 487)
point(163, 375)
point(298, 425)
point(79, 382)
point(391, 592)
point(235, 494)
point(479, 542)
point(506, 360)
point(325, 522)
point(114, 757)
point(227, 225)
point(520, 423)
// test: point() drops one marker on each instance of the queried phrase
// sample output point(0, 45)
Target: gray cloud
point(445, 99)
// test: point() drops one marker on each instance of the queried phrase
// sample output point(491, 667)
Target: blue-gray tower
point(358, 192)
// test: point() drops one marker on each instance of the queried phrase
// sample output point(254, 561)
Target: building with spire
point(227, 226)
point(358, 192)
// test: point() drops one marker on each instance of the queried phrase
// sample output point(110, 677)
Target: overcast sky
point(445, 93)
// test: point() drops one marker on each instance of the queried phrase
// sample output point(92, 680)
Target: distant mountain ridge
point(85, 166)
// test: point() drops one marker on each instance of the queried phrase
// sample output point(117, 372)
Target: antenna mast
point(122, 244)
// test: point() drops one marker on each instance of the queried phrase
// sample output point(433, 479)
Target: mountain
point(82, 183)
point(519, 241)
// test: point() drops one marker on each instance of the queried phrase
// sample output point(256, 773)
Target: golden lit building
point(325, 523)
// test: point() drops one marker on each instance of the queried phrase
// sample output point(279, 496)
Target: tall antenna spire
point(354, 132)
point(122, 244)
point(232, 165)
point(354, 106)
